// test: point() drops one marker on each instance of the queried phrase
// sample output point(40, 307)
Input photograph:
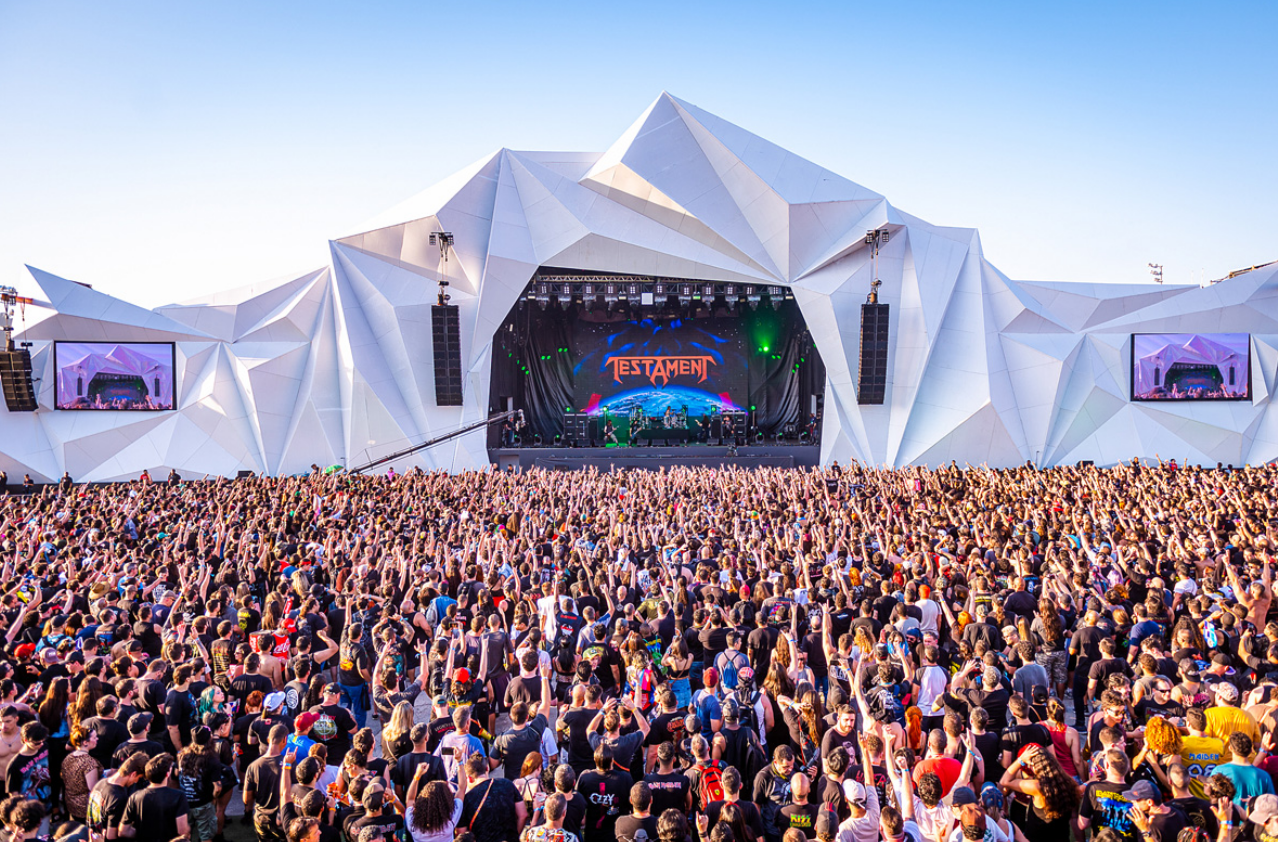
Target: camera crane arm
point(477, 425)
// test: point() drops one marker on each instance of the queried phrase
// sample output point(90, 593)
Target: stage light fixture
point(659, 297)
point(685, 296)
point(752, 297)
point(707, 292)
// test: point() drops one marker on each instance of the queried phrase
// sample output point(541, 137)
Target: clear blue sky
point(163, 150)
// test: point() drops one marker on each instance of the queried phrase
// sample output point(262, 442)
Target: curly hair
point(433, 808)
point(1161, 736)
point(1060, 793)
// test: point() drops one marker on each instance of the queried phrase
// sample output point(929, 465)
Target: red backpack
point(711, 785)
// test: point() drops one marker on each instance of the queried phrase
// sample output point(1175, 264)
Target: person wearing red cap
point(299, 741)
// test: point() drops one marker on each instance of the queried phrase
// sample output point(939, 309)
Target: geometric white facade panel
point(335, 365)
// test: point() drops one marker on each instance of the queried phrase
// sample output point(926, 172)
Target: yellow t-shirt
point(1223, 722)
point(1200, 756)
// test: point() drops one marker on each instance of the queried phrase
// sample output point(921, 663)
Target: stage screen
point(128, 376)
point(1191, 366)
point(682, 368)
point(700, 366)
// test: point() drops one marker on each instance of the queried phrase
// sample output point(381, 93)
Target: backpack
point(885, 706)
point(729, 668)
point(436, 681)
point(711, 784)
point(755, 759)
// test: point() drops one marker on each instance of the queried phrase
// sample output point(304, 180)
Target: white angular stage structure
point(336, 365)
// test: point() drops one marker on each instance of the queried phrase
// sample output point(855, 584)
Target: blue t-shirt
point(1248, 780)
point(707, 708)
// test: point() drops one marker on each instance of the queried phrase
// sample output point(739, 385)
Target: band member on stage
point(508, 433)
point(728, 433)
point(610, 435)
point(668, 420)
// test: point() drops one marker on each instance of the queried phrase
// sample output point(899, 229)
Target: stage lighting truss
point(640, 293)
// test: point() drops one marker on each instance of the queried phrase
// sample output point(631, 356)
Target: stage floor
point(653, 458)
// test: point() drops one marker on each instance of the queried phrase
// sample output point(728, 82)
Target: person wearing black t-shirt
point(179, 708)
point(406, 766)
point(670, 789)
point(492, 809)
point(110, 795)
point(159, 811)
point(262, 788)
point(344, 723)
point(249, 680)
point(1159, 702)
point(640, 825)
point(1021, 732)
point(1085, 646)
point(605, 788)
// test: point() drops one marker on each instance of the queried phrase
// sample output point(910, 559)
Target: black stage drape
point(534, 356)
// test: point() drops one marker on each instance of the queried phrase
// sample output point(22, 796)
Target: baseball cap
point(304, 722)
point(461, 674)
point(962, 795)
point(991, 795)
point(1220, 658)
point(1227, 691)
point(1143, 791)
point(730, 711)
point(972, 819)
point(273, 700)
point(26, 650)
point(710, 677)
point(856, 793)
point(332, 689)
point(827, 823)
point(441, 701)
point(1263, 808)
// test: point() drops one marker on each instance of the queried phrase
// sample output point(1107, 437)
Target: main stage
point(654, 458)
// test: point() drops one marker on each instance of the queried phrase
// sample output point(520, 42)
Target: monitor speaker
point(871, 385)
point(15, 378)
point(446, 326)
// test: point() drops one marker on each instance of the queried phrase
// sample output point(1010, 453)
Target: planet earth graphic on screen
point(656, 401)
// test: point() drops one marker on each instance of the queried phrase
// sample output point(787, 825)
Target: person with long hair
point(80, 772)
point(678, 663)
point(1048, 797)
point(776, 686)
point(734, 817)
point(804, 718)
point(396, 741)
point(53, 712)
point(431, 812)
point(1050, 650)
point(528, 784)
point(85, 705)
point(1065, 740)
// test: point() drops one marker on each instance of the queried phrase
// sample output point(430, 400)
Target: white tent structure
point(336, 365)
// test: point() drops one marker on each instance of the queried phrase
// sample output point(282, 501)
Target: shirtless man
point(272, 666)
point(1255, 598)
point(10, 738)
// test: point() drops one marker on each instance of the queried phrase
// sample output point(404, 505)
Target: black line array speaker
point(15, 378)
point(871, 385)
point(446, 326)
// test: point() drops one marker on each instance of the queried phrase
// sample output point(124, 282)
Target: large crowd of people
point(685, 655)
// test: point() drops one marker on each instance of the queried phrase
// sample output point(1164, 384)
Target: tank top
point(1063, 755)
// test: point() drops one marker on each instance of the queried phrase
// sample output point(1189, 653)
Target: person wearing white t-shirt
point(863, 824)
